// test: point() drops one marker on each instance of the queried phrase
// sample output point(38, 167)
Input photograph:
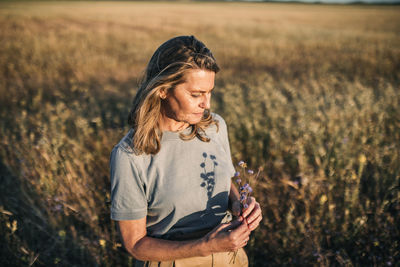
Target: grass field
point(309, 92)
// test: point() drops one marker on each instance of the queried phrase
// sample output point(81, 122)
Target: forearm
point(233, 195)
point(154, 249)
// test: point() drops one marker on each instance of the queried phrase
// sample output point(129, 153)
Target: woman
point(170, 175)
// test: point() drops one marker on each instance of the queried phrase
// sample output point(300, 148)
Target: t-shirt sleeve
point(128, 198)
point(224, 140)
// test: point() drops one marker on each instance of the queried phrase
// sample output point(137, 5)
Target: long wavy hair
point(166, 69)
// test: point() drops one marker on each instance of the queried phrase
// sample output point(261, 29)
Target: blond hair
point(166, 69)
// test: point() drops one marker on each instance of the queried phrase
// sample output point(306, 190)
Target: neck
point(169, 124)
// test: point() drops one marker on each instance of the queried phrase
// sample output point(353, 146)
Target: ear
point(163, 94)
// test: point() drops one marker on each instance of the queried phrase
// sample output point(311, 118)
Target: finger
point(245, 235)
point(256, 212)
point(255, 221)
point(241, 240)
point(242, 229)
point(255, 224)
point(244, 243)
point(251, 202)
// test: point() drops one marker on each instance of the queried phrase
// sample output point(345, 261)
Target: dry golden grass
point(309, 92)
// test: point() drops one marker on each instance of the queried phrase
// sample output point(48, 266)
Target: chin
point(193, 121)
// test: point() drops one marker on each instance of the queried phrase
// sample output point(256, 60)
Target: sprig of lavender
point(242, 179)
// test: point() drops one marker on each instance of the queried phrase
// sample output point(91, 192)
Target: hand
point(252, 214)
point(228, 236)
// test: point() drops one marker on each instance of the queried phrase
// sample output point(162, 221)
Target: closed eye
point(196, 94)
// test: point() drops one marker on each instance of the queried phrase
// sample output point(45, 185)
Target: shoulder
point(124, 151)
point(126, 143)
point(218, 132)
point(221, 122)
point(221, 137)
point(218, 118)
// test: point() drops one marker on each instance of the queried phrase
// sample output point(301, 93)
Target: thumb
point(225, 227)
point(233, 224)
point(222, 227)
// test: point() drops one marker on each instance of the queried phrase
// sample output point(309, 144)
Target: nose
point(205, 101)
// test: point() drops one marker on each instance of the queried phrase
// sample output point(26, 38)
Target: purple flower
point(241, 163)
point(245, 206)
point(237, 174)
point(246, 186)
point(58, 207)
point(238, 180)
point(250, 172)
point(250, 189)
point(242, 197)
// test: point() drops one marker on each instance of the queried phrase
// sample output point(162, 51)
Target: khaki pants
point(224, 259)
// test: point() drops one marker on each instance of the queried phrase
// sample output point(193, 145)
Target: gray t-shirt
point(182, 189)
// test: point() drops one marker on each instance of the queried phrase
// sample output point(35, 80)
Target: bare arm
point(225, 237)
point(234, 204)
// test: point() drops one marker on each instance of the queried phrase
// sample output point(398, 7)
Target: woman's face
point(187, 102)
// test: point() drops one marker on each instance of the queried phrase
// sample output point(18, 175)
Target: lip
point(199, 114)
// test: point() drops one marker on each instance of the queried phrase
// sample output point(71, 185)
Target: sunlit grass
point(309, 92)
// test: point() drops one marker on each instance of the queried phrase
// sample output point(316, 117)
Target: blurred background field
point(309, 92)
